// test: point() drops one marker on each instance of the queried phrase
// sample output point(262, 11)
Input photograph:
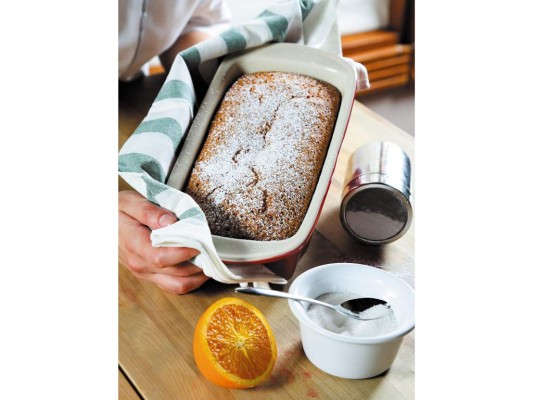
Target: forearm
point(182, 43)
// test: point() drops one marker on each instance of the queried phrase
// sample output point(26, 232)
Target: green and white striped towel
point(147, 157)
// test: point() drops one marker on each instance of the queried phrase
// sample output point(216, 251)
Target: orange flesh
point(239, 341)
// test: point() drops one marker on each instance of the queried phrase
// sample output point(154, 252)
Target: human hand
point(166, 267)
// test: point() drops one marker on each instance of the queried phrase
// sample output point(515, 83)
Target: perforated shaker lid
point(376, 213)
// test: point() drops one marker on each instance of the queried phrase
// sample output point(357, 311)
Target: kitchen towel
point(146, 158)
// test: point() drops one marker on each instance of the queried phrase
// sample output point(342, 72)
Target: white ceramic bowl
point(344, 356)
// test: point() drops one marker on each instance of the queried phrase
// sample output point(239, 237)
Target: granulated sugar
point(335, 322)
point(374, 312)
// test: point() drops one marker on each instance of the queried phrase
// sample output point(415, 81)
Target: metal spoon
point(353, 308)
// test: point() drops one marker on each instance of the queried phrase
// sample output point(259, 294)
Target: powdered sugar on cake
point(258, 169)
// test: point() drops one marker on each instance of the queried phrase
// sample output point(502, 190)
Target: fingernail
point(167, 219)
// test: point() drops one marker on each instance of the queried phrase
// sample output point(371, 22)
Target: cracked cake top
point(259, 165)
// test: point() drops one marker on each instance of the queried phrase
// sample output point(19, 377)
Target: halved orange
point(234, 345)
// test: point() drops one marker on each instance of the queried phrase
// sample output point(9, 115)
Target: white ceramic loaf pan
point(280, 255)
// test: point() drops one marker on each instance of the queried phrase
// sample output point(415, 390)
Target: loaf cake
point(257, 171)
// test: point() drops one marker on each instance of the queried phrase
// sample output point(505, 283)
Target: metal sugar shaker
point(376, 207)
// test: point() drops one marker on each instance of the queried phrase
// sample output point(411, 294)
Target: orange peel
point(233, 344)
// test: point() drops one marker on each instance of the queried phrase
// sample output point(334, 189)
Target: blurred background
point(381, 35)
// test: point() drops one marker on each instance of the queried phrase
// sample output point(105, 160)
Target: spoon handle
point(283, 295)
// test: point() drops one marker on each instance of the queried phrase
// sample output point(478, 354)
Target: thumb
point(144, 211)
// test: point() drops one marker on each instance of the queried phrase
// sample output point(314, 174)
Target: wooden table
point(156, 328)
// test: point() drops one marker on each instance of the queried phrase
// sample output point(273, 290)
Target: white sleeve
point(212, 16)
